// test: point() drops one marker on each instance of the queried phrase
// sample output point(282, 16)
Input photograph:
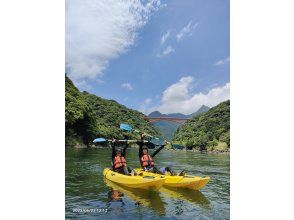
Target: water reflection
point(147, 198)
point(85, 188)
point(188, 195)
point(115, 196)
point(152, 199)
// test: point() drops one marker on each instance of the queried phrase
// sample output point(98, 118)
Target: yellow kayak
point(186, 181)
point(139, 182)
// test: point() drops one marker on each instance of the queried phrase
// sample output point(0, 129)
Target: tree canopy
point(207, 131)
point(88, 116)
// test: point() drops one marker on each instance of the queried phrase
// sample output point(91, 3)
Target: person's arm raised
point(113, 148)
point(158, 150)
point(124, 152)
point(141, 144)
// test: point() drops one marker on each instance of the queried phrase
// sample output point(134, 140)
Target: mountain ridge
point(167, 128)
point(158, 114)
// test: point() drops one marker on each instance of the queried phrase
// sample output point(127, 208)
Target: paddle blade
point(126, 127)
point(99, 140)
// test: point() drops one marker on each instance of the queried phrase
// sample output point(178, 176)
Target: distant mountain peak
point(155, 114)
point(168, 128)
point(202, 109)
point(204, 106)
point(158, 114)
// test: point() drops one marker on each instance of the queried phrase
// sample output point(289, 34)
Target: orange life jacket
point(147, 161)
point(119, 161)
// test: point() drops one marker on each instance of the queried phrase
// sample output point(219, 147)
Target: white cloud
point(147, 101)
point(222, 61)
point(144, 106)
point(98, 31)
point(168, 50)
point(82, 85)
point(186, 31)
point(127, 86)
point(178, 91)
point(164, 37)
point(179, 98)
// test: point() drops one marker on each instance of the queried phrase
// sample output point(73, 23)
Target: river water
point(89, 196)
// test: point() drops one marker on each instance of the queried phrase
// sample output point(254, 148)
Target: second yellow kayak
point(140, 182)
point(186, 181)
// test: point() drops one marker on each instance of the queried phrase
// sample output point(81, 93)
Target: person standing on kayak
point(147, 161)
point(118, 158)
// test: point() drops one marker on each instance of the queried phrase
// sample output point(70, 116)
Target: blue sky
point(171, 56)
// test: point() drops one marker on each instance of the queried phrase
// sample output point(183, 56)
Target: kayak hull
point(187, 181)
point(137, 182)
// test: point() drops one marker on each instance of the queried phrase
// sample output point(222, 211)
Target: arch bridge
point(171, 119)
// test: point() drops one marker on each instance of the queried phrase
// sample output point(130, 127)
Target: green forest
point(88, 116)
point(207, 131)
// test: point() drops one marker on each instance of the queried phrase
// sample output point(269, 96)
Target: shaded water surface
point(90, 196)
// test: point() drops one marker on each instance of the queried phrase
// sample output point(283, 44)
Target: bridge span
point(176, 120)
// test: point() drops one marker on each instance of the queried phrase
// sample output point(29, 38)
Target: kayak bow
point(140, 182)
point(186, 181)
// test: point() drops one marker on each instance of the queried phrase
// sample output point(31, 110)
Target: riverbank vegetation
point(207, 131)
point(88, 116)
